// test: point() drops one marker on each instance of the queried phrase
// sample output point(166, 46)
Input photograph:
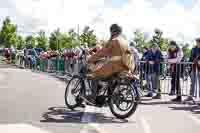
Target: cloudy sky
point(179, 19)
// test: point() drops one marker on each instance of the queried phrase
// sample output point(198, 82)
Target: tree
point(30, 41)
point(186, 50)
point(67, 40)
point(54, 40)
point(159, 40)
point(42, 40)
point(74, 38)
point(88, 37)
point(164, 44)
point(20, 42)
point(8, 33)
point(139, 40)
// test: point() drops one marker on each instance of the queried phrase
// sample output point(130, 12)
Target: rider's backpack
point(128, 60)
point(127, 56)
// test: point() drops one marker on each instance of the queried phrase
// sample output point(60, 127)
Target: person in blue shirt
point(32, 56)
point(143, 66)
point(154, 58)
point(195, 72)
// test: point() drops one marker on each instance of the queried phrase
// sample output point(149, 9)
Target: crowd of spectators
point(151, 64)
point(152, 67)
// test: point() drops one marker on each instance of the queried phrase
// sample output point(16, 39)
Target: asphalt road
point(34, 102)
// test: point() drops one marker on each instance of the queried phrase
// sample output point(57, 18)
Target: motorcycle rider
point(113, 53)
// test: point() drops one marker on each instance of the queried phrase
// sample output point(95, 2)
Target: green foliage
point(8, 33)
point(140, 41)
point(20, 42)
point(30, 41)
point(73, 39)
point(65, 41)
point(59, 41)
point(54, 40)
point(42, 40)
point(186, 50)
point(163, 43)
point(88, 37)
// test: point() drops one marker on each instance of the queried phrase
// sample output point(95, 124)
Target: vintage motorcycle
point(119, 92)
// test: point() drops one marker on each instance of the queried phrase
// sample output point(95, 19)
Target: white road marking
point(86, 118)
point(84, 130)
point(192, 117)
point(145, 125)
point(97, 127)
point(90, 119)
point(21, 128)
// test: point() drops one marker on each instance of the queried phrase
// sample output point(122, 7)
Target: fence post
point(41, 65)
point(197, 84)
point(62, 65)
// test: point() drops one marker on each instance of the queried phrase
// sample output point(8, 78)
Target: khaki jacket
point(115, 47)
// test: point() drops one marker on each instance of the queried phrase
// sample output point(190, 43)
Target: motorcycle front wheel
point(73, 92)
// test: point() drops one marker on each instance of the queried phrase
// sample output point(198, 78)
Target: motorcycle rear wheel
point(120, 96)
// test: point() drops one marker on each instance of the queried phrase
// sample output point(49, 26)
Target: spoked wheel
point(73, 92)
point(124, 101)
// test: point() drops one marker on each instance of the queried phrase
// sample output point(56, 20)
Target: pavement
point(33, 102)
point(1, 59)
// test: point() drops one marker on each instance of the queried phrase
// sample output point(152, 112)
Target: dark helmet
point(131, 43)
point(173, 43)
point(198, 39)
point(115, 28)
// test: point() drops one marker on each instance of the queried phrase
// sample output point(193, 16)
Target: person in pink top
point(175, 55)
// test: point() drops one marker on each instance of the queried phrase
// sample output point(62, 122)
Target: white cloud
point(174, 19)
point(33, 15)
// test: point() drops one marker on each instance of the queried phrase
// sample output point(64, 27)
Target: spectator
point(79, 57)
point(195, 73)
point(26, 61)
point(135, 52)
point(1, 51)
point(67, 60)
point(154, 70)
point(71, 58)
point(13, 54)
point(31, 57)
point(175, 55)
point(39, 52)
point(145, 51)
point(144, 65)
point(7, 54)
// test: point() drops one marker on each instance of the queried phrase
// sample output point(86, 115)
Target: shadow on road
point(159, 102)
point(194, 109)
point(64, 115)
point(7, 66)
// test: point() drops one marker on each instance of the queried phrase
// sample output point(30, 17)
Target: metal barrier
point(166, 78)
point(20, 61)
point(52, 65)
point(60, 65)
